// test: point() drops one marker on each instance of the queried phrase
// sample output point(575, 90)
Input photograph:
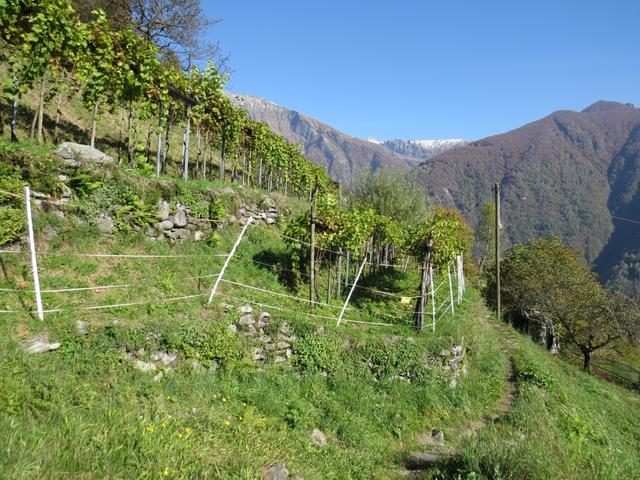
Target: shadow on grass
point(279, 263)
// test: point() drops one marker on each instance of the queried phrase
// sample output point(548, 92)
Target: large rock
point(318, 438)
point(180, 219)
point(106, 224)
point(40, 344)
point(76, 154)
point(277, 471)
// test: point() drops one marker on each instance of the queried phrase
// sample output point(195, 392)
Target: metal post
point(226, 262)
point(497, 233)
point(353, 287)
point(32, 249)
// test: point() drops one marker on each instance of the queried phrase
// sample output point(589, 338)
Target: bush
point(12, 224)
point(213, 344)
point(535, 376)
point(385, 359)
point(314, 353)
point(10, 182)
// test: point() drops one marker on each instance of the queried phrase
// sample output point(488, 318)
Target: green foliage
point(403, 357)
point(12, 224)
point(212, 240)
point(393, 194)
point(550, 279)
point(10, 182)
point(534, 375)
point(318, 353)
point(83, 184)
point(448, 232)
point(215, 343)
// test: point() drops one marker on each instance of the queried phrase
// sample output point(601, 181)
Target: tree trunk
point(418, 317)
point(58, 115)
point(222, 154)
point(586, 366)
point(13, 123)
point(260, 174)
point(40, 131)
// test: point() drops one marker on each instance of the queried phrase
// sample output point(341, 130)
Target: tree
point(174, 25)
point(549, 283)
point(391, 193)
point(116, 12)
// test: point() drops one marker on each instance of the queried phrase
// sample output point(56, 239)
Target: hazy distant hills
point(566, 174)
point(344, 156)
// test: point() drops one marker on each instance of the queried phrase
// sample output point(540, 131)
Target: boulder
point(164, 210)
point(145, 367)
point(318, 438)
point(178, 234)
point(246, 310)
point(277, 471)
point(198, 235)
point(105, 224)
point(75, 154)
point(82, 327)
point(180, 219)
point(164, 225)
point(40, 344)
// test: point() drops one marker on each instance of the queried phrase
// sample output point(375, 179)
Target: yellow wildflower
point(224, 399)
point(227, 423)
point(166, 472)
point(179, 435)
point(187, 429)
point(150, 429)
point(240, 418)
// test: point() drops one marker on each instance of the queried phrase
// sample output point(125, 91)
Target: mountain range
point(571, 174)
point(345, 157)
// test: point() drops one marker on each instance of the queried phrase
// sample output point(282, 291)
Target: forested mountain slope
point(568, 174)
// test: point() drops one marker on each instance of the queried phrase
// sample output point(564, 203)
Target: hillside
point(138, 376)
point(568, 174)
point(343, 156)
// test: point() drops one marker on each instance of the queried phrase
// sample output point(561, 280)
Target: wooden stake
point(497, 233)
point(187, 137)
point(32, 249)
point(226, 262)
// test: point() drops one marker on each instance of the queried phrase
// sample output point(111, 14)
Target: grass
point(564, 424)
point(83, 411)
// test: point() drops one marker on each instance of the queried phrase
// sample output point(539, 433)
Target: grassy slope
point(84, 412)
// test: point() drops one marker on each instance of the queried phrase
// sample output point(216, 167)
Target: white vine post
point(460, 274)
point(226, 262)
point(353, 287)
point(450, 290)
point(32, 249)
point(433, 300)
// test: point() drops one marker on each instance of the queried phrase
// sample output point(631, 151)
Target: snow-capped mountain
point(420, 149)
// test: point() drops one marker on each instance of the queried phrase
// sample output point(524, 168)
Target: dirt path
point(435, 450)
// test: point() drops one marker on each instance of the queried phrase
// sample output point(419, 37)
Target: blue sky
point(427, 69)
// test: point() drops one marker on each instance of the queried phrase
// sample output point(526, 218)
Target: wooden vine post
point(497, 233)
point(425, 279)
point(312, 254)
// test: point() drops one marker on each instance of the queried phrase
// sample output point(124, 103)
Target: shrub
point(314, 353)
point(388, 359)
point(10, 182)
point(535, 376)
point(213, 344)
point(12, 224)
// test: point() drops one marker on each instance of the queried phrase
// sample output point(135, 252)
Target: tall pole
point(497, 233)
point(32, 249)
point(312, 254)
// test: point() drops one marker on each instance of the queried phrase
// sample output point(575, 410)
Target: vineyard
point(54, 55)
